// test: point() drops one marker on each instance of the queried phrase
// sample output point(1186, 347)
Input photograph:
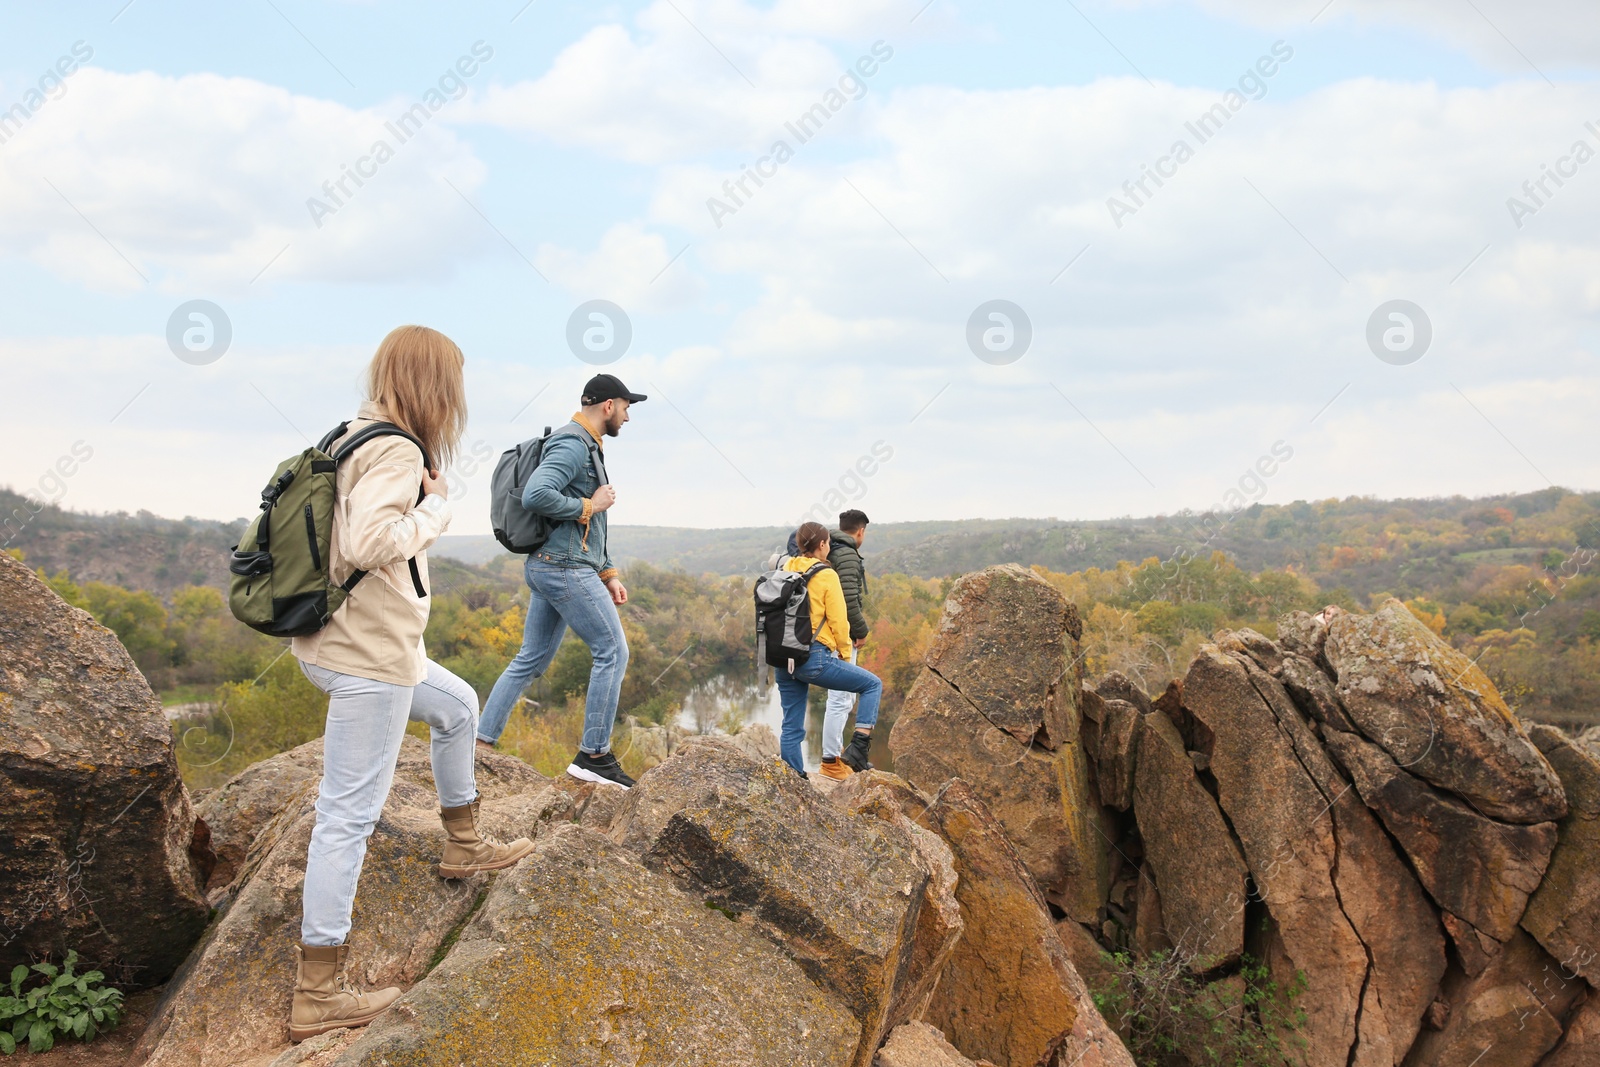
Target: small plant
point(58, 1003)
point(1168, 1015)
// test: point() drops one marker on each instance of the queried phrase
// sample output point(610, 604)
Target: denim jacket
point(561, 489)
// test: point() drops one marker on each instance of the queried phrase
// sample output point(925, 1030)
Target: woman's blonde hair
point(416, 376)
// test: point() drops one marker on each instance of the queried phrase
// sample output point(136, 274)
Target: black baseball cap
point(603, 387)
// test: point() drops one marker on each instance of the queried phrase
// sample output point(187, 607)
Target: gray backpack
point(518, 529)
point(783, 619)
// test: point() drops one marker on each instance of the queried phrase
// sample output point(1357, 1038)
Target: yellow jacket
point(830, 617)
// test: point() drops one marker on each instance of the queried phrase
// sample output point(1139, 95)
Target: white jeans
point(839, 705)
point(366, 722)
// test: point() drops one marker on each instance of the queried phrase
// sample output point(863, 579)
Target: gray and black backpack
point(783, 619)
point(518, 529)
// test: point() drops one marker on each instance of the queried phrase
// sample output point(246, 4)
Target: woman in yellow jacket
point(824, 666)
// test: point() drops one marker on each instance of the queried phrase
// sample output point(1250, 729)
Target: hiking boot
point(855, 753)
point(601, 768)
point(468, 850)
point(835, 768)
point(324, 998)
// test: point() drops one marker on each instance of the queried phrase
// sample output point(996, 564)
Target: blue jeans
point(366, 722)
point(560, 597)
point(822, 667)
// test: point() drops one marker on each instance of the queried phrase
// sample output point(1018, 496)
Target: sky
point(939, 260)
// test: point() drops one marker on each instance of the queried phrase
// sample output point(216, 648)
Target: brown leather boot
point(468, 851)
point(324, 998)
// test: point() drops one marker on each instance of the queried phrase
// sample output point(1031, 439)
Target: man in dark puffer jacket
point(845, 556)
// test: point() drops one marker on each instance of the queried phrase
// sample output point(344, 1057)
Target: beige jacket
point(377, 526)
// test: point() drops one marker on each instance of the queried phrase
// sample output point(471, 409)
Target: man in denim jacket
point(571, 578)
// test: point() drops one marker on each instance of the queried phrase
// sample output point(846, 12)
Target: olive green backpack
point(280, 567)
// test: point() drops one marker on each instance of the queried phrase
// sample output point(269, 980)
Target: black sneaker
point(601, 768)
point(855, 753)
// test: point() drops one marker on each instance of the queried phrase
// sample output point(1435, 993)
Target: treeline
point(1535, 630)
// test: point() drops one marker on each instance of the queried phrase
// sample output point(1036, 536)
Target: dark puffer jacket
point(846, 559)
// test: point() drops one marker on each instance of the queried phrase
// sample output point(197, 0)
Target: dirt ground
point(109, 1049)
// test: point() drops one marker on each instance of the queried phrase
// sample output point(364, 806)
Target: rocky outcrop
point(996, 707)
point(1270, 821)
point(1580, 1044)
point(1563, 915)
point(1111, 734)
point(1189, 850)
point(1285, 832)
point(1509, 1016)
point(920, 1045)
point(100, 851)
point(1438, 715)
point(238, 811)
point(1008, 641)
point(1005, 994)
point(744, 834)
point(939, 923)
point(404, 911)
point(581, 955)
point(1477, 869)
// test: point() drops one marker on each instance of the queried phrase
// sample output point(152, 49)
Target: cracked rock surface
point(997, 707)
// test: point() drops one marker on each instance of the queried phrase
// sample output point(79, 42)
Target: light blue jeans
point(840, 701)
point(560, 597)
point(822, 668)
point(366, 721)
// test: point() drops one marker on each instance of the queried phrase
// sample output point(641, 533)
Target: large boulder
point(1438, 715)
point(1563, 915)
point(1197, 864)
point(1478, 869)
point(1008, 641)
point(98, 843)
point(582, 956)
point(841, 893)
point(404, 912)
point(1007, 993)
point(996, 707)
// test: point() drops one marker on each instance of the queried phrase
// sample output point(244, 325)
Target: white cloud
point(631, 267)
point(206, 177)
point(1213, 322)
point(1510, 36)
point(694, 77)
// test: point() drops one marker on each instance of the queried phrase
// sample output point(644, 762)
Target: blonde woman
point(391, 506)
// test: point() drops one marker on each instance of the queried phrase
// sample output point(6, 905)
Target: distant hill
point(141, 551)
point(739, 550)
point(1358, 546)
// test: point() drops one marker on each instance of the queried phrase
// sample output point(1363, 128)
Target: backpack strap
point(572, 429)
point(359, 438)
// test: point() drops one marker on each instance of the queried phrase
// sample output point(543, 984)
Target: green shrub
point(253, 721)
point(58, 1003)
point(1169, 1016)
